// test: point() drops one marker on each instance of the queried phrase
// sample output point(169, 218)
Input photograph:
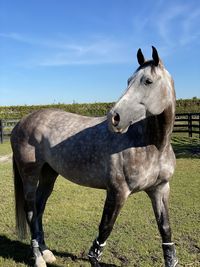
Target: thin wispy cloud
point(177, 25)
point(95, 50)
point(102, 51)
point(42, 42)
point(166, 21)
point(191, 31)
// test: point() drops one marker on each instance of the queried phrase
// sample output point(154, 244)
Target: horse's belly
point(85, 179)
point(81, 172)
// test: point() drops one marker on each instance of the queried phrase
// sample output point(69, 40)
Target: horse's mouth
point(118, 129)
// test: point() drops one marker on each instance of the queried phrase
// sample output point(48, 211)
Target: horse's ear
point(155, 56)
point(140, 57)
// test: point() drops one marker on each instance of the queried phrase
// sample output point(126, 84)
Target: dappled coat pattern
point(123, 153)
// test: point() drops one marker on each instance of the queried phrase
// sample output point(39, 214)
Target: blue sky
point(84, 50)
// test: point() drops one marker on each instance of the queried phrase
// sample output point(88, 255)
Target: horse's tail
point(20, 216)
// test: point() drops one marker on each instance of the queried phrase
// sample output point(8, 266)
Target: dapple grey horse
point(123, 153)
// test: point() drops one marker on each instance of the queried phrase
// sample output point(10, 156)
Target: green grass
point(91, 109)
point(5, 148)
point(186, 147)
point(73, 214)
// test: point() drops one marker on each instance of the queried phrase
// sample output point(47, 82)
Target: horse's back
point(46, 122)
point(66, 141)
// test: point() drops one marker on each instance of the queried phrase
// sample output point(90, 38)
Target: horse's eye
point(148, 81)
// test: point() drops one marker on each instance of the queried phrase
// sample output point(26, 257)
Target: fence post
point(190, 125)
point(1, 130)
point(199, 125)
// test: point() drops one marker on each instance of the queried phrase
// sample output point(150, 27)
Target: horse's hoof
point(40, 262)
point(48, 256)
point(94, 262)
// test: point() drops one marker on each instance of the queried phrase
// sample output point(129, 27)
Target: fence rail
point(184, 123)
point(6, 127)
point(187, 123)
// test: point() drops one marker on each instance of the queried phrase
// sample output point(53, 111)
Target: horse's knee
point(29, 196)
point(30, 200)
point(165, 231)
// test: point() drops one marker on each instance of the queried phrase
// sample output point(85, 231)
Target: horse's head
point(149, 92)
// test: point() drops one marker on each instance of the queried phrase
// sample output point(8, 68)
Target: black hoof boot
point(170, 255)
point(94, 262)
point(95, 253)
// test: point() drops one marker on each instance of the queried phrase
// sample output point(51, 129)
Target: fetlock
point(96, 250)
point(35, 248)
point(169, 253)
point(39, 261)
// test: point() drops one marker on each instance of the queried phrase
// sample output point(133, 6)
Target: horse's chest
point(140, 167)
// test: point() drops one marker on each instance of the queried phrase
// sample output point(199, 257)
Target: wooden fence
point(6, 127)
point(184, 123)
point(187, 123)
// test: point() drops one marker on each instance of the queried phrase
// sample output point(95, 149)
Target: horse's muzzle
point(115, 119)
point(114, 123)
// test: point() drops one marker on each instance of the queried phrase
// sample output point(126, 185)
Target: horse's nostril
point(115, 119)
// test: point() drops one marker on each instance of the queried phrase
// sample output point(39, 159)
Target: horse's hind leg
point(113, 204)
point(159, 197)
point(30, 189)
point(46, 183)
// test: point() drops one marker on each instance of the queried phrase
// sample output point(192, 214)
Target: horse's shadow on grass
point(186, 147)
point(21, 253)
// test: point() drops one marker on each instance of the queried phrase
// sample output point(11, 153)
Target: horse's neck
point(161, 127)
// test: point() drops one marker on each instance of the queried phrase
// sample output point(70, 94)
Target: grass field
point(73, 214)
point(186, 147)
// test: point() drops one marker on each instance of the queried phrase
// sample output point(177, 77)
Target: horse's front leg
point(113, 204)
point(159, 197)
